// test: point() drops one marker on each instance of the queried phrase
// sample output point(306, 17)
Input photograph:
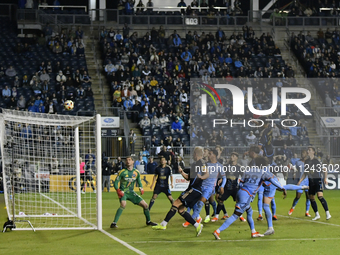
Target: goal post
point(42, 158)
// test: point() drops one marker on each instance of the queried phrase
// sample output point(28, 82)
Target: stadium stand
point(39, 74)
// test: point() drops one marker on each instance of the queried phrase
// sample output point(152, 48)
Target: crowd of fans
point(320, 57)
point(38, 74)
point(151, 77)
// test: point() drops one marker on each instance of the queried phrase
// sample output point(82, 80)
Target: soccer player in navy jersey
point(162, 174)
point(191, 195)
point(314, 170)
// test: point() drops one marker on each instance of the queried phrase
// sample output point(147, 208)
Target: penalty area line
point(241, 240)
point(123, 243)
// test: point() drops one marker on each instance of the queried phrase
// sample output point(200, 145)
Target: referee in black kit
point(314, 170)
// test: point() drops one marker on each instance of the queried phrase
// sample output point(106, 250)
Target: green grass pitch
point(294, 234)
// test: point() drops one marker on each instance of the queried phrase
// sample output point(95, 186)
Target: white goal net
point(50, 165)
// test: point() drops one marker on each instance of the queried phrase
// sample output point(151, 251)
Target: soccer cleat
point(214, 219)
point(316, 217)
point(198, 219)
point(207, 219)
point(260, 217)
point(242, 219)
point(82, 192)
point(269, 232)
point(274, 217)
point(308, 215)
point(186, 224)
point(328, 216)
point(256, 234)
point(216, 235)
point(304, 187)
point(159, 227)
point(199, 229)
point(113, 225)
point(225, 217)
point(150, 223)
point(94, 191)
point(290, 211)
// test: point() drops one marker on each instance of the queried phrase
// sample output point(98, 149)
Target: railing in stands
point(8, 10)
point(328, 111)
point(61, 7)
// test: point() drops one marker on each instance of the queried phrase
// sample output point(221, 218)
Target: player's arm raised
point(185, 176)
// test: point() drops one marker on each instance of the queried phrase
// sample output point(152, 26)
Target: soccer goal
point(42, 155)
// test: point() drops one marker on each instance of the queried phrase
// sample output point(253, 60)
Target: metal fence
point(328, 111)
point(305, 21)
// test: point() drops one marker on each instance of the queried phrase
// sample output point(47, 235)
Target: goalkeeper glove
point(120, 193)
point(142, 191)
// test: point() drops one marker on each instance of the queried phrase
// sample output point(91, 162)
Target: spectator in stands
point(45, 76)
point(251, 138)
point(294, 159)
point(279, 142)
point(145, 122)
point(145, 154)
point(287, 152)
point(140, 7)
point(290, 141)
point(151, 166)
point(6, 92)
point(149, 6)
point(57, 48)
point(120, 165)
point(129, 7)
point(177, 41)
point(61, 77)
point(21, 103)
point(29, 4)
point(155, 122)
point(86, 78)
point(319, 154)
point(176, 127)
point(80, 50)
point(79, 33)
point(11, 72)
point(140, 164)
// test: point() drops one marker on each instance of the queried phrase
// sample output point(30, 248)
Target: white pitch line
point(123, 243)
point(314, 221)
point(242, 240)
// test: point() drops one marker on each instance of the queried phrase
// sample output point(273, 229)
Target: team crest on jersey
point(134, 175)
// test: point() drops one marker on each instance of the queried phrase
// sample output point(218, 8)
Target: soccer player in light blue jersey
point(300, 167)
point(208, 186)
point(252, 179)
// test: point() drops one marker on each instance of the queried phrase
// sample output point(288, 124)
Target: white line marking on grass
point(123, 243)
point(242, 240)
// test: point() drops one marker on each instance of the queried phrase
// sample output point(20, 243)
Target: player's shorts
point(305, 182)
point(207, 192)
point(315, 186)
point(228, 193)
point(269, 191)
point(88, 178)
point(132, 196)
point(158, 189)
point(190, 197)
point(243, 200)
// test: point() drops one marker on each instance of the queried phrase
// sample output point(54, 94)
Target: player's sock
point(228, 222)
point(171, 213)
point(188, 217)
point(291, 187)
point(307, 205)
point(260, 202)
point(250, 219)
point(324, 203)
point(197, 209)
point(147, 214)
point(118, 213)
point(296, 200)
point(218, 209)
point(214, 206)
point(224, 210)
point(273, 206)
point(152, 201)
point(268, 215)
point(207, 208)
point(164, 223)
point(314, 205)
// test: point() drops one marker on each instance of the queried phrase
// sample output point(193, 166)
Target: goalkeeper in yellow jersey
point(124, 184)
